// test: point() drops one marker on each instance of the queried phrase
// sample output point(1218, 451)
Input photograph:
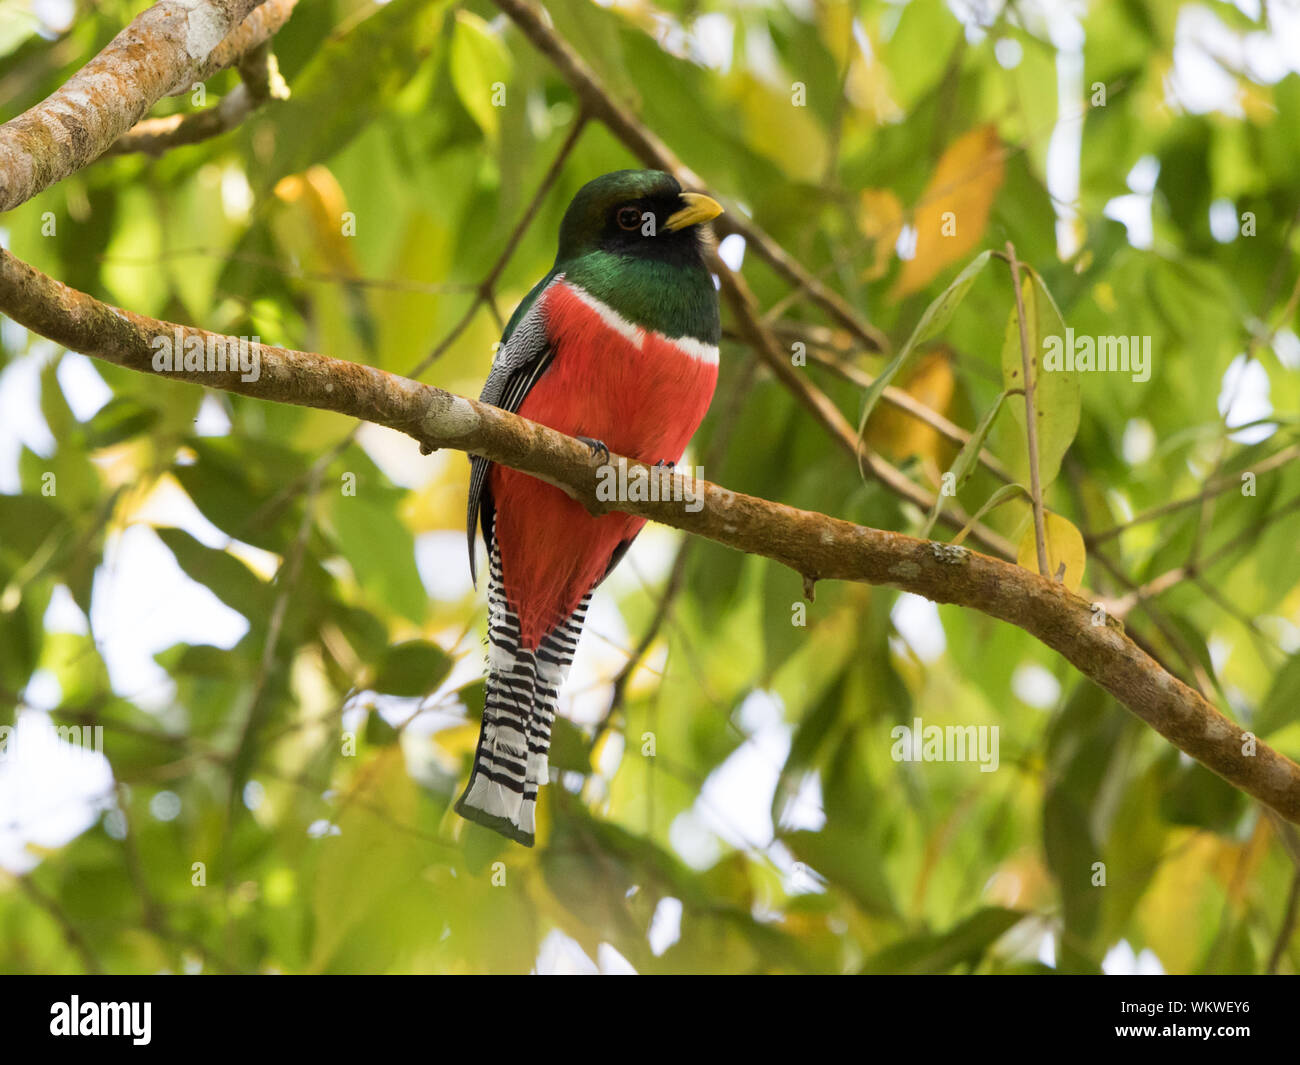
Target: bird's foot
point(665, 464)
point(597, 447)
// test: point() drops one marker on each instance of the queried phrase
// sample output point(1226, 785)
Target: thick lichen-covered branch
point(261, 82)
point(815, 546)
point(164, 50)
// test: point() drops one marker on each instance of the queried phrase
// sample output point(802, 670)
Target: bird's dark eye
point(628, 218)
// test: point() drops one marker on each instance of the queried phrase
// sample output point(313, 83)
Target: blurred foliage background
point(268, 610)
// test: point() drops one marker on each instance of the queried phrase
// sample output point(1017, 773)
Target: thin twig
point(828, 415)
point(1212, 488)
point(261, 83)
point(1286, 930)
point(487, 286)
point(71, 933)
point(1031, 418)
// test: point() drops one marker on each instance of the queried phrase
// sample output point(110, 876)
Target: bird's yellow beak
point(699, 208)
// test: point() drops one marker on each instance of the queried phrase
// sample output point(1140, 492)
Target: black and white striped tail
point(510, 764)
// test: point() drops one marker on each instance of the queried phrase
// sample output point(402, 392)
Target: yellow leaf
point(835, 22)
point(1182, 894)
point(954, 208)
point(439, 504)
point(898, 435)
point(645, 16)
point(310, 222)
point(780, 129)
point(1257, 103)
point(1064, 548)
point(869, 88)
point(457, 743)
point(880, 219)
point(601, 750)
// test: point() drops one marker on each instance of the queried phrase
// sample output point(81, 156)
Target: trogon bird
point(617, 345)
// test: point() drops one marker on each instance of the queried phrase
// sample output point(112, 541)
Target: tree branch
point(262, 23)
point(261, 82)
point(759, 336)
point(815, 546)
point(165, 48)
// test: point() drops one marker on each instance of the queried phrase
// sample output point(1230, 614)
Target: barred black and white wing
point(523, 357)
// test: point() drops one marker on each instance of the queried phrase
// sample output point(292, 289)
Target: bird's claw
point(597, 447)
point(665, 464)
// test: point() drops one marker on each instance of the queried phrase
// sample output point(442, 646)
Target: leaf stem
point(1031, 416)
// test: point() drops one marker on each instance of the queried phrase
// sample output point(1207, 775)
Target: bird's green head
point(641, 214)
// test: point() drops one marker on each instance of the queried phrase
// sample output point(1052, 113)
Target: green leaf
point(229, 579)
point(233, 481)
point(1002, 495)
point(379, 733)
point(416, 667)
point(1197, 797)
point(808, 738)
point(1281, 706)
point(1086, 758)
point(28, 524)
point(932, 322)
point(964, 463)
point(855, 869)
point(349, 79)
point(480, 71)
point(21, 635)
point(965, 944)
point(119, 419)
point(1056, 391)
point(369, 866)
point(381, 552)
point(570, 750)
point(940, 312)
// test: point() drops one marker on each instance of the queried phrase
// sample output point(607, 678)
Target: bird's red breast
point(641, 393)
